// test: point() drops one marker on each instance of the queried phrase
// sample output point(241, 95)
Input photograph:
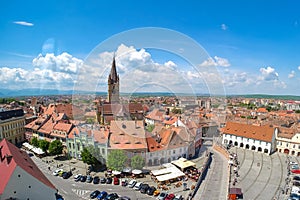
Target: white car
point(56, 172)
point(132, 183)
point(138, 185)
point(77, 175)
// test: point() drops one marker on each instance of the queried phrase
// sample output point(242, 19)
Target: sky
point(245, 47)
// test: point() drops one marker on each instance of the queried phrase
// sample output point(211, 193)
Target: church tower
point(113, 84)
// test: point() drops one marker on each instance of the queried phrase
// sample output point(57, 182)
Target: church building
point(113, 108)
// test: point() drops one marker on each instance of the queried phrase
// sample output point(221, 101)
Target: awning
point(136, 171)
point(115, 172)
point(127, 170)
point(183, 163)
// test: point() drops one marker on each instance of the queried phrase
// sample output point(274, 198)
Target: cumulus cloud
point(292, 74)
point(299, 68)
point(224, 27)
point(60, 63)
point(268, 74)
point(215, 62)
point(23, 23)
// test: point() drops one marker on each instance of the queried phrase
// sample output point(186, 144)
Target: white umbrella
point(136, 171)
point(115, 172)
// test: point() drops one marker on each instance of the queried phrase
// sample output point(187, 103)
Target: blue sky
point(259, 40)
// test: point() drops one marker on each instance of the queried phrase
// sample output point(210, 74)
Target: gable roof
point(262, 133)
point(127, 135)
point(11, 157)
point(155, 115)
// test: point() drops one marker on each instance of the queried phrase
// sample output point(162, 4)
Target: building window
point(174, 151)
point(103, 151)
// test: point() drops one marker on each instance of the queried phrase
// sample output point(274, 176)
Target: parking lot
point(70, 189)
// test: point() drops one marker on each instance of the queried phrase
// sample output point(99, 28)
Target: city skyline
point(252, 45)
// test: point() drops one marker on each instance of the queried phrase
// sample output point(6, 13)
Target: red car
point(116, 181)
point(170, 197)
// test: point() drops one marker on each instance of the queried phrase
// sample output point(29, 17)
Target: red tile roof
point(21, 159)
point(263, 133)
point(155, 115)
point(125, 135)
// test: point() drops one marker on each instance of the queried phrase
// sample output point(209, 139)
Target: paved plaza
point(261, 176)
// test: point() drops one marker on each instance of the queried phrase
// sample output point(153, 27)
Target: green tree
point(116, 159)
point(87, 157)
point(95, 152)
point(137, 162)
point(55, 147)
point(35, 142)
point(44, 145)
point(150, 127)
point(176, 110)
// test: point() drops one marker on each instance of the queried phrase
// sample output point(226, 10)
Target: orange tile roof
point(47, 127)
point(101, 135)
point(262, 110)
point(171, 121)
point(263, 133)
point(63, 127)
point(155, 115)
point(286, 132)
point(125, 135)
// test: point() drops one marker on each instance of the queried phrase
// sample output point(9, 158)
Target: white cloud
point(292, 74)
point(23, 23)
point(224, 27)
point(61, 63)
point(299, 68)
point(215, 62)
point(268, 74)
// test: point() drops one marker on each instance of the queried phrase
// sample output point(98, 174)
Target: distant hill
point(45, 92)
point(266, 96)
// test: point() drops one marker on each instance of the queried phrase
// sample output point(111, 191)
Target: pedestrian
point(49, 168)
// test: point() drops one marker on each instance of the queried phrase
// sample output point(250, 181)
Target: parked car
point(77, 175)
point(60, 173)
point(83, 178)
point(109, 180)
point(77, 178)
point(94, 194)
point(178, 197)
point(96, 180)
point(89, 179)
point(116, 181)
point(66, 175)
point(56, 172)
point(156, 193)
point(162, 196)
point(170, 197)
point(144, 188)
point(138, 186)
point(102, 180)
point(132, 183)
point(295, 166)
point(296, 178)
point(112, 196)
point(151, 190)
point(296, 183)
point(124, 182)
point(102, 195)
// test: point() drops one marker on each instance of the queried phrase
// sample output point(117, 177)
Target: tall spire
point(113, 73)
